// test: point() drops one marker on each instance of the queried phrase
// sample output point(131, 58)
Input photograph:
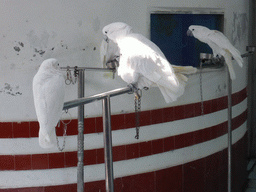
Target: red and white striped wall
point(178, 150)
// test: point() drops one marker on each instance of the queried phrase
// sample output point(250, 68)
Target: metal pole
point(88, 69)
point(106, 113)
point(229, 129)
point(80, 136)
point(77, 102)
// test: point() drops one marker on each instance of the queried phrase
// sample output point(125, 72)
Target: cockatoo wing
point(222, 41)
point(147, 59)
point(49, 94)
point(226, 49)
point(39, 98)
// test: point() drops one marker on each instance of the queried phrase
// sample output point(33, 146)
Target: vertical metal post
point(229, 129)
point(107, 144)
point(80, 136)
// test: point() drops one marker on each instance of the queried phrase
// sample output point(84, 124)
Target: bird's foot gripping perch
point(208, 60)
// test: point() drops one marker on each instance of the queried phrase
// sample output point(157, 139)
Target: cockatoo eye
point(193, 29)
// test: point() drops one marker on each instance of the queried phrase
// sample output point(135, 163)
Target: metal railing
point(106, 113)
point(208, 59)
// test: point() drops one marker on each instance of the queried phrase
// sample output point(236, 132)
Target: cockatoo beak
point(106, 38)
point(189, 33)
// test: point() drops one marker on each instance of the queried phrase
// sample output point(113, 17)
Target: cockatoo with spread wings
point(48, 91)
point(141, 62)
point(219, 44)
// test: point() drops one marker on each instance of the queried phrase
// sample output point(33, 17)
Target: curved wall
point(176, 143)
point(178, 150)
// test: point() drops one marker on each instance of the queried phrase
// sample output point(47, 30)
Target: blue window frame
point(169, 33)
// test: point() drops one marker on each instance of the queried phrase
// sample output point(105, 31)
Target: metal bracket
point(250, 49)
point(87, 69)
point(80, 102)
point(76, 69)
point(208, 60)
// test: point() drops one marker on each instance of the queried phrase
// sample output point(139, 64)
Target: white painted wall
point(33, 30)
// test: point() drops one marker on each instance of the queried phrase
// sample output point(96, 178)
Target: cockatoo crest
point(117, 29)
point(49, 65)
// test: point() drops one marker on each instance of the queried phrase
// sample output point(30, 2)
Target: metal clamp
point(207, 60)
point(250, 49)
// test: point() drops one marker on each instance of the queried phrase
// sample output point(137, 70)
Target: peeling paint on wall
point(38, 42)
point(21, 44)
point(13, 66)
point(16, 48)
point(40, 52)
point(79, 23)
point(96, 24)
point(63, 45)
point(9, 90)
point(240, 28)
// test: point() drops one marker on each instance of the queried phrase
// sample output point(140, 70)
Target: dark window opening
point(169, 33)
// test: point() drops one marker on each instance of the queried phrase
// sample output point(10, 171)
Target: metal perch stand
point(106, 112)
point(208, 59)
point(80, 102)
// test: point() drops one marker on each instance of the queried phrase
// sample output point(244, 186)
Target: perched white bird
point(48, 91)
point(219, 44)
point(141, 62)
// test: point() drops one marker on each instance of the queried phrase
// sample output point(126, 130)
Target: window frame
point(172, 10)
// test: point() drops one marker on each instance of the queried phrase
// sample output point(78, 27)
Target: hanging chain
point(201, 88)
point(70, 79)
point(137, 104)
point(64, 133)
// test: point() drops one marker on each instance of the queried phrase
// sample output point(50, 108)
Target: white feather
point(219, 44)
point(48, 92)
point(142, 63)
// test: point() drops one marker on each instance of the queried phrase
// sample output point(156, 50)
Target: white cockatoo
point(141, 62)
point(219, 44)
point(48, 91)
